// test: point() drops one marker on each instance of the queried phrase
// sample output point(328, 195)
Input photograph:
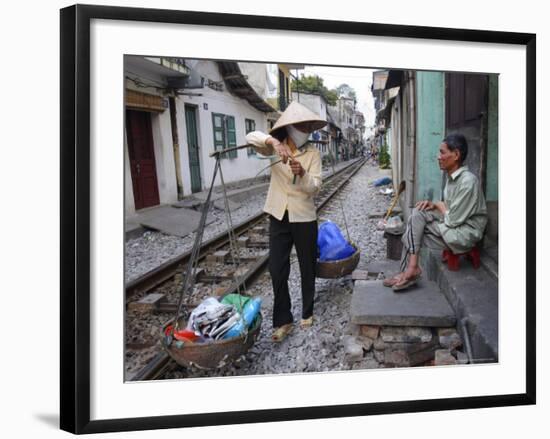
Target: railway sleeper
point(221, 256)
point(258, 244)
point(170, 307)
point(147, 303)
point(214, 278)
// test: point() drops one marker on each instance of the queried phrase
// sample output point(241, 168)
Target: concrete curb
point(473, 295)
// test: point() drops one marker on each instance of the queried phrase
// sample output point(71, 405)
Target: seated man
point(456, 223)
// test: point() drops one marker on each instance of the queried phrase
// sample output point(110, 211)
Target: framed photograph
point(173, 125)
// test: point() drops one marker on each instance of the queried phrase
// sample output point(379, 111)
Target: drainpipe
point(412, 132)
point(176, 146)
point(466, 334)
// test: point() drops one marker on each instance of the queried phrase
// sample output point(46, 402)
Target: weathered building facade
point(416, 110)
point(325, 137)
point(178, 111)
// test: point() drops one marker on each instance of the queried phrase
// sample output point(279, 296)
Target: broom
point(400, 190)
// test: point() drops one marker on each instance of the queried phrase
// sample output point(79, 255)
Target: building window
point(225, 135)
point(249, 126)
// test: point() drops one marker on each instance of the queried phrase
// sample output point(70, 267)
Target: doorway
point(142, 159)
point(193, 148)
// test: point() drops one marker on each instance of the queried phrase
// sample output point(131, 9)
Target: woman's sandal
point(306, 323)
point(280, 333)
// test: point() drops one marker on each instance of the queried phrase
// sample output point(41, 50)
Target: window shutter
point(250, 125)
point(218, 131)
point(231, 135)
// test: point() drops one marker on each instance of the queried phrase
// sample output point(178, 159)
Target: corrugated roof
point(237, 84)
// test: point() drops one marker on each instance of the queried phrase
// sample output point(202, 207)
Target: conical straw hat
point(297, 113)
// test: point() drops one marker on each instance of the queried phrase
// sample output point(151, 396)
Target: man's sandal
point(391, 281)
point(306, 323)
point(406, 283)
point(280, 333)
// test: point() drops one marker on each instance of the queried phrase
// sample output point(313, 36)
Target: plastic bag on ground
point(382, 181)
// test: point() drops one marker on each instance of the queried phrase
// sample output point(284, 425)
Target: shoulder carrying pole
point(340, 199)
point(193, 260)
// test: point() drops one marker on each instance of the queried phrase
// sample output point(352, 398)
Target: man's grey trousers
point(422, 230)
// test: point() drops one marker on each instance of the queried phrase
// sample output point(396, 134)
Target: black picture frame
point(75, 217)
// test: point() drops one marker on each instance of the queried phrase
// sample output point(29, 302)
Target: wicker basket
point(214, 354)
point(340, 268)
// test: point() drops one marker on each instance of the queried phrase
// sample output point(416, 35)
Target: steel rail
point(168, 269)
point(160, 364)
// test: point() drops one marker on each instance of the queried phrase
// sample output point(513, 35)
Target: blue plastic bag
point(382, 181)
point(332, 244)
point(249, 313)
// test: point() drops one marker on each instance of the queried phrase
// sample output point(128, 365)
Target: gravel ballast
point(320, 348)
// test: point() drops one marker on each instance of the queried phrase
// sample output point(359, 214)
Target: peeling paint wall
point(430, 94)
point(206, 101)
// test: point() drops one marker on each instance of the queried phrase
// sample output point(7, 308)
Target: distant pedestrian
point(293, 216)
point(457, 223)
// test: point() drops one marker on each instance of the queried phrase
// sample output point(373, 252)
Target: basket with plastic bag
point(216, 333)
point(337, 256)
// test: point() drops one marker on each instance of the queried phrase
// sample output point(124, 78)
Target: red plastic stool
point(453, 260)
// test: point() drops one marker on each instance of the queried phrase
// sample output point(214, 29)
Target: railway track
point(213, 258)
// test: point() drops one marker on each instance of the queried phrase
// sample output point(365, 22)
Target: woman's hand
point(280, 148)
point(296, 167)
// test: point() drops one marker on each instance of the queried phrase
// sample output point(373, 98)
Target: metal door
point(193, 148)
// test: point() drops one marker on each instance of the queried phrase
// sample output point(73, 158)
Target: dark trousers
point(282, 235)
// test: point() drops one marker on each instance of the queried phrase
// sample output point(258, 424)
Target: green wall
point(430, 130)
point(492, 140)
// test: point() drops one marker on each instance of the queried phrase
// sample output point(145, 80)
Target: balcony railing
point(176, 64)
point(179, 61)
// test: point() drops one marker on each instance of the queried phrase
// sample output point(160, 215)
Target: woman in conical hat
point(295, 179)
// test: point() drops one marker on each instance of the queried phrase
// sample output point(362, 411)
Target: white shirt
point(283, 194)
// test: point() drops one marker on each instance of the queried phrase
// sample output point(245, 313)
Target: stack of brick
point(402, 346)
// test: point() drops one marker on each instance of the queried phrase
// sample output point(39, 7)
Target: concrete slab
point(240, 196)
point(376, 215)
point(359, 275)
point(167, 219)
point(374, 304)
point(220, 204)
point(235, 195)
point(188, 203)
point(197, 203)
point(133, 230)
point(386, 266)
